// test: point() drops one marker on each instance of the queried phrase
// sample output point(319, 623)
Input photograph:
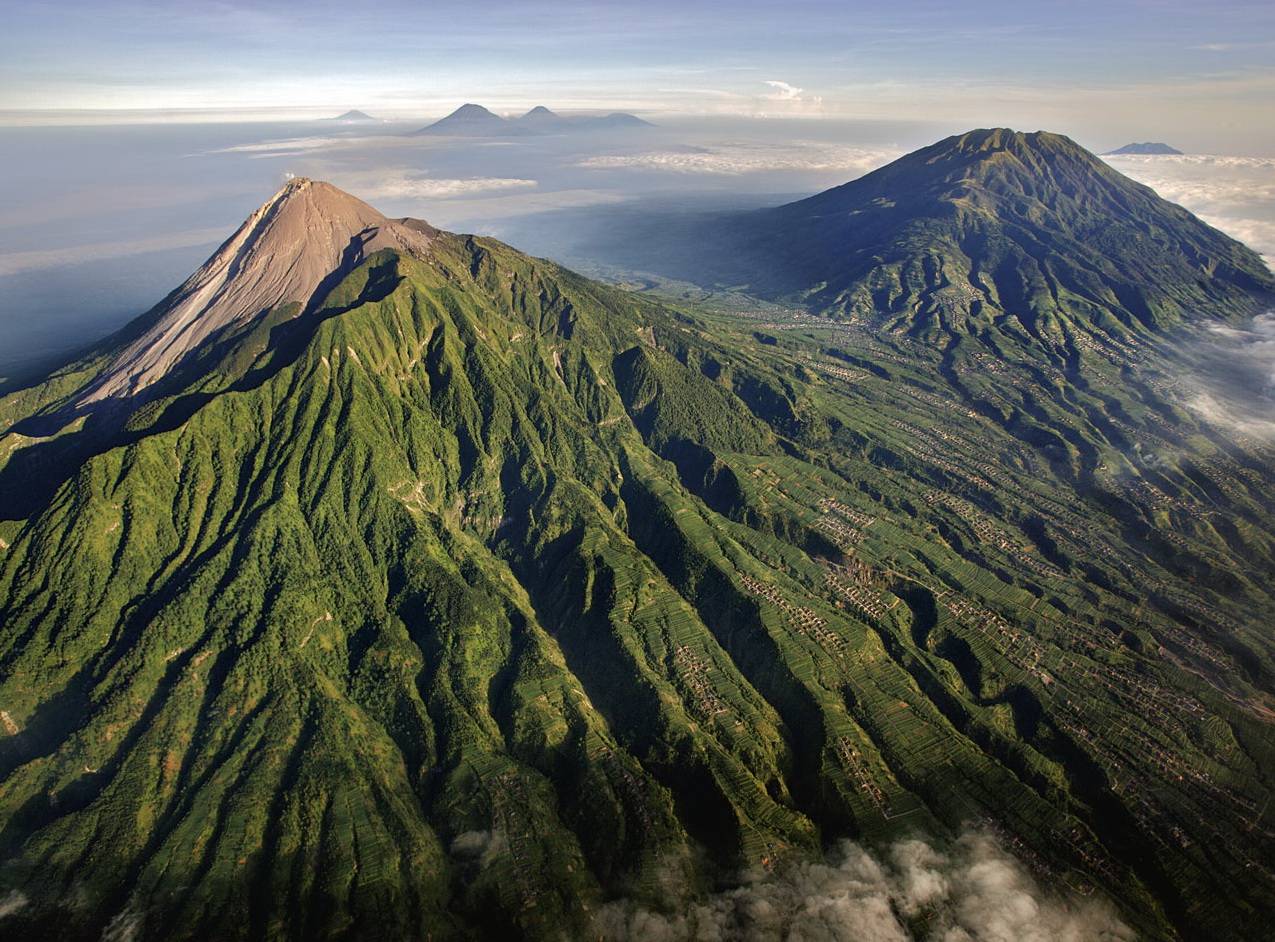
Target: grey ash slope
point(296, 244)
point(476, 121)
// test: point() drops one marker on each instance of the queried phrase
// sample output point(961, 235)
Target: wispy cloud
point(296, 145)
point(405, 185)
point(736, 159)
point(14, 262)
point(1234, 194)
point(1235, 47)
point(1235, 388)
point(14, 902)
point(969, 891)
point(784, 91)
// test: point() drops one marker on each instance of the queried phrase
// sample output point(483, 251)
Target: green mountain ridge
point(977, 230)
point(470, 595)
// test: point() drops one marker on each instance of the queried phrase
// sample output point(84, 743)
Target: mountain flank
point(440, 592)
point(976, 228)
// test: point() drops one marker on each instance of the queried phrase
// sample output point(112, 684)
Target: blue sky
point(1204, 67)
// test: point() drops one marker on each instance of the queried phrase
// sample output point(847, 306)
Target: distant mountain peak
point(1148, 148)
point(284, 252)
point(353, 117)
point(469, 120)
point(540, 111)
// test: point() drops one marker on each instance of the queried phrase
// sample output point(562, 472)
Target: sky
point(1200, 71)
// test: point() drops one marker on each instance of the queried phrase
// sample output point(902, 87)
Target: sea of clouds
point(1234, 194)
point(1235, 385)
point(97, 224)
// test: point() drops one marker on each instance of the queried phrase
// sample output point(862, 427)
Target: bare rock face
point(285, 251)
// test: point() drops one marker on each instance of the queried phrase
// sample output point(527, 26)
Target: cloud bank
point(14, 262)
point(970, 892)
point(1234, 194)
point(784, 91)
point(432, 188)
point(1236, 385)
point(738, 159)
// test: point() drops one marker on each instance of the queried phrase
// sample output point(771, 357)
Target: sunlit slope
point(482, 594)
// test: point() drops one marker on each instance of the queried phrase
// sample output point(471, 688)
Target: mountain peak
point(986, 226)
point(286, 251)
point(470, 110)
point(1153, 148)
point(468, 120)
point(1008, 139)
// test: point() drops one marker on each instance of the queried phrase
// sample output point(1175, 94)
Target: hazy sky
point(1197, 71)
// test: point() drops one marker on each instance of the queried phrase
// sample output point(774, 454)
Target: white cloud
point(1235, 387)
point(785, 92)
point(296, 145)
point(971, 891)
point(738, 159)
point(430, 188)
point(14, 262)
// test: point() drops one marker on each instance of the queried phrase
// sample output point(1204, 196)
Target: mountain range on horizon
point(387, 582)
point(471, 120)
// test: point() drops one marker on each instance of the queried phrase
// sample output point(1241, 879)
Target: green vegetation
point(482, 594)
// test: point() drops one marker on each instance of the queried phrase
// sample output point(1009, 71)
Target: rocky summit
point(384, 582)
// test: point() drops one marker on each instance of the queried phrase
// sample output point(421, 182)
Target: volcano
point(384, 582)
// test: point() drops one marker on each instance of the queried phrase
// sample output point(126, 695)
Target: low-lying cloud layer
point(737, 159)
point(971, 891)
point(1234, 194)
point(407, 186)
point(1236, 385)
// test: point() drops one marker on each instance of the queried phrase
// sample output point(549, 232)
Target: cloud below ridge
point(1234, 194)
point(971, 891)
point(1236, 385)
point(14, 262)
point(737, 159)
